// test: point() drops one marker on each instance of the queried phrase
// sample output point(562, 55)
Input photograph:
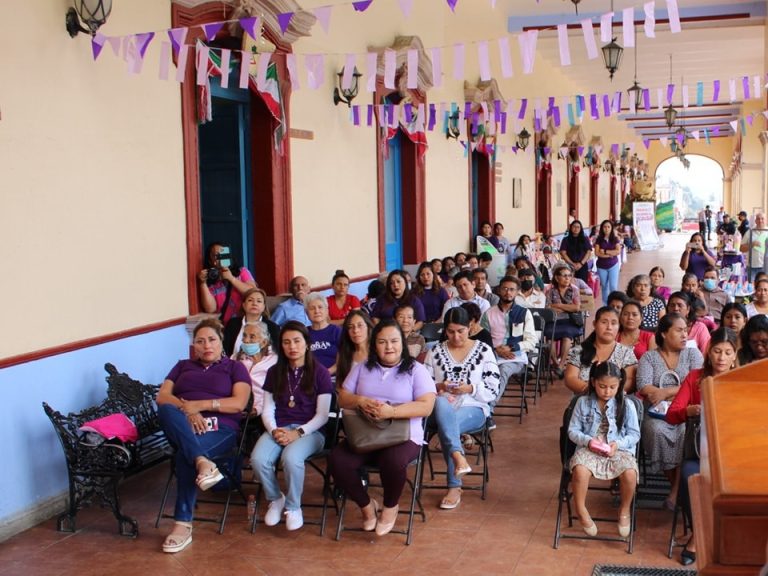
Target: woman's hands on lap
point(285, 437)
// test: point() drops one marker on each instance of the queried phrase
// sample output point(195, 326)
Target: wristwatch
point(300, 431)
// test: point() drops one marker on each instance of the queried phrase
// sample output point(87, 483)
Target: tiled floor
point(510, 532)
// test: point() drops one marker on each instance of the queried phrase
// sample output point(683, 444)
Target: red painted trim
point(612, 197)
point(594, 181)
point(544, 200)
point(573, 188)
point(273, 233)
point(88, 343)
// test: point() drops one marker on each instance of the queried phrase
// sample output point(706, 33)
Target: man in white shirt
point(512, 331)
point(465, 288)
point(529, 296)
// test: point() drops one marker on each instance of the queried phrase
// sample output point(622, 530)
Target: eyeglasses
point(565, 275)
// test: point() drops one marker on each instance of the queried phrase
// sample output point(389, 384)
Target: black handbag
point(692, 438)
point(576, 318)
point(365, 435)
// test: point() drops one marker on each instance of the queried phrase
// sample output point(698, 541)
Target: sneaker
point(275, 511)
point(491, 423)
point(294, 519)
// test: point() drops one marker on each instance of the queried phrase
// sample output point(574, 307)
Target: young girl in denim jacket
point(605, 429)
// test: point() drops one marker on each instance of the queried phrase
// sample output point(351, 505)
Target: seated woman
point(199, 406)
point(374, 291)
point(252, 310)
point(603, 416)
point(720, 357)
point(563, 298)
point(697, 257)
point(449, 269)
point(257, 356)
point(659, 375)
point(754, 340)
point(390, 384)
point(222, 283)
point(297, 398)
point(629, 330)
point(323, 336)
point(341, 302)
point(436, 265)
point(432, 295)
point(657, 283)
point(467, 380)
point(698, 333)
point(653, 309)
point(417, 346)
point(690, 285)
point(734, 317)
point(616, 300)
point(600, 346)
point(397, 293)
point(353, 344)
point(522, 249)
point(759, 306)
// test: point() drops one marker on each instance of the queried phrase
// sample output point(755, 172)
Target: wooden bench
point(95, 470)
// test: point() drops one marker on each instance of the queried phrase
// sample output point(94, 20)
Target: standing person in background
point(697, 257)
point(608, 249)
point(223, 283)
point(753, 245)
point(743, 223)
point(703, 222)
point(486, 231)
point(498, 231)
point(721, 215)
point(708, 216)
point(576, 250)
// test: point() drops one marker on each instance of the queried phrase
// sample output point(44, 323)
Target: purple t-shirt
point(389, 385)
point(697, 263)
point(305, 405)
point(324, 343)
point(193, 381)
point(385, 309)
point(610, 261)
point(433, 302)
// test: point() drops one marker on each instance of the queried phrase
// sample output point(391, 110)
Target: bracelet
point(215, 405)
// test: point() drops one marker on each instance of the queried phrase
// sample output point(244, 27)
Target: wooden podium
point(730, 497)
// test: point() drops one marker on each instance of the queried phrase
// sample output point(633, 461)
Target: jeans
point(292, 457)
point(609, 280)
point(451, 423)
point(190, 446)
point(506, 371)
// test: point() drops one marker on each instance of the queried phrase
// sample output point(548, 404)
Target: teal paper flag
point(699, 93)
point(571, 119)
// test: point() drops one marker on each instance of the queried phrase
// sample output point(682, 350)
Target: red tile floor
point(511, 532)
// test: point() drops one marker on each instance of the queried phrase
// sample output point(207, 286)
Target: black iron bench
point(95, 470)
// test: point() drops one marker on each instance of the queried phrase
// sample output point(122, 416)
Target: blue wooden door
point(393, 199)
point(225, 174)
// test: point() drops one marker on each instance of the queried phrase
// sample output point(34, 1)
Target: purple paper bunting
point(142, 42)
point(580, 149)
point(615, 149)
point(181, 65)
point(284, 20)
point(716, 131)
point(745, 86)
point(323, 15)
point(165, 60)
point(452, 4)
point(210, 30)
point(114, 43)
point(556, 115)
point(467, 109)
point(369, 120)
point(716, 91)
point(503, 122)
point(362, 5)
point(670, 93)
point(750, 119)
point(593, 106)
point(606, 105)
point(523, 108)
point(251, 26)
point(496, 110)
point(177, 36)
point(97, 43)
point(646, 143)
point(432, 117)
point(356, 115)
point(537, 124)
point(408, 110)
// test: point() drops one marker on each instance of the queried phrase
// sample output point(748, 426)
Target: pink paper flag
point(284, 20)
point(97, 43)
point(245, 69)
point(126, 44)
point(527, 41)
point(261, 75)
point(565, 48)
point(210, 30)
point(628, 27)
point(142, 42)
point(632, 102)
point(370, 70)
point(314, 65)
point(606, 27)
point(650, 19)
point(664, 140)
point(412, 81)
point(251, 26)
point(589, 38)
point(202, 65)
point(362, 5)
point(484, 60)
point(674, 16)
point(349, 69)
point(181, 64)
point(165, 60)
point(405, 7)
point(756, 86)
point(696, 135)
point(458, 61)
point(134, 59)
point(390, 64)
point(734, 124)
point(437, 66)
point(226, 56)
point(293, 73)
point(660, 98)
point(114, 43)
point(504, 56)
point(177, 36)
point(323, 15)
point(685, 95)
point(452, 5)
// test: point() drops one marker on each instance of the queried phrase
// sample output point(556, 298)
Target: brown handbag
point(365, 435)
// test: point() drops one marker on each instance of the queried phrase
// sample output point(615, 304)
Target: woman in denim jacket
point(605, 429)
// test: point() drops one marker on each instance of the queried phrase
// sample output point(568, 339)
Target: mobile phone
point(692, 245)
point(212, 424)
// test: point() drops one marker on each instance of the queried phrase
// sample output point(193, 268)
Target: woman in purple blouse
point(390, 384)
point(697, 257)
point(427, 289)
point(607, 249)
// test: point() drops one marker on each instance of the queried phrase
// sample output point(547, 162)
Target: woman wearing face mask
point(256, 355)
point(697, 257)
point(639, 289)
point(253, 309)
point(760, 304)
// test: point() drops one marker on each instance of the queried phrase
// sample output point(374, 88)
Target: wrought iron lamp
point(523, 139)
point(612, 53)
point(347, 95)
point(93, 13)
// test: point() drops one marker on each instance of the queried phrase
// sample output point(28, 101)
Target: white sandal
point(177, 541)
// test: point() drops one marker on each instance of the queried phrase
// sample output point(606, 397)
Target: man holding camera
point(223, 283)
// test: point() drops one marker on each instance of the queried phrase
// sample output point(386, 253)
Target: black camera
point(213, 275)
point(223, 260)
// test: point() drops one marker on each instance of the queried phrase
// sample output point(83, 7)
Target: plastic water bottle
point(251, 507)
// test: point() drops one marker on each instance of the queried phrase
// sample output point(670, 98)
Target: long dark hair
point(388, 298)
point(581, 239)
point(588, 349)
point(406, 361)
point(665, 323)
point(346, 347)
point(758, 323)
point(734, 306)
point(611, 236)
point(418, 288)
point(688, 299)
point(719, 336)
point(613, 371)
point(282, 367)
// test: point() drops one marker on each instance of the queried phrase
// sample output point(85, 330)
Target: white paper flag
point(504, 56)
point(606, 27)
point(565, 48)
point(589, 38)
point(628, 27)
point(650, 19)
point(370, 70)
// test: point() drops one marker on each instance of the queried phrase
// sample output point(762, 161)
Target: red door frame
point(274, 235)
point(612, 197)
point(544, 198)
point(573, 188)
point(594, 182)
point(486, 191)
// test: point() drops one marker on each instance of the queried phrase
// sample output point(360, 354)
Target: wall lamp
point(523, 139)
point(346, 95)
point(93, 13)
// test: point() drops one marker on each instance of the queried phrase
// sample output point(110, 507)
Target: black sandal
point(686, 556)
